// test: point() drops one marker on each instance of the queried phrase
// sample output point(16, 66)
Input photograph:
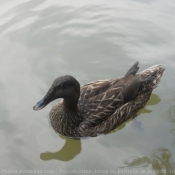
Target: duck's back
point(111, 102)
point(96, 96)
point(100, 99)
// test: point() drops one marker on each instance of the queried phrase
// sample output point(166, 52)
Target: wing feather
point(99, 100)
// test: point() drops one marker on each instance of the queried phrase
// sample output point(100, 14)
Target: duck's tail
point(152, 75)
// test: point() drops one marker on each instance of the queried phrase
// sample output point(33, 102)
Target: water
point(41, 40)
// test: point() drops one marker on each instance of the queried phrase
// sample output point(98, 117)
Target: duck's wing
point(101, 99)
point(93, 89)
point(98, 102)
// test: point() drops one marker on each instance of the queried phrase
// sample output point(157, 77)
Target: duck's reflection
point(71, 148)
point(160, 161)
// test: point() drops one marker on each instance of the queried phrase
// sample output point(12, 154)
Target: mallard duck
point(99, 107)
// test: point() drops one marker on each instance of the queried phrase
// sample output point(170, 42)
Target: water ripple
point(21, 24)
point(172, 113)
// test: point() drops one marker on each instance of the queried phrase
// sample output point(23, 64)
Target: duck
point(100, 106)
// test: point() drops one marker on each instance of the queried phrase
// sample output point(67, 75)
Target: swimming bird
point(101, 106)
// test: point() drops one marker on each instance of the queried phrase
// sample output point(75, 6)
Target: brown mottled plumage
point(101, 106)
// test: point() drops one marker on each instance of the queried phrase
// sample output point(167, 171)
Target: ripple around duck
point(94, 20)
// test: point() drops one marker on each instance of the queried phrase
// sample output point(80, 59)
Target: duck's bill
point(41, 104)
point(45, 101)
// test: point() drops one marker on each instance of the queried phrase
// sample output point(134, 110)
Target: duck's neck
point(70, 103)
point(65, 118)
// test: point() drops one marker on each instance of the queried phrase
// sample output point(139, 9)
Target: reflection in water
point(138, 125)
point(71, 148)
point(160, 161)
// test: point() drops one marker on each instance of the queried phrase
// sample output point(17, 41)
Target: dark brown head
point(66, 87)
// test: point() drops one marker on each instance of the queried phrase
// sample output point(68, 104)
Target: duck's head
point(66, 87)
